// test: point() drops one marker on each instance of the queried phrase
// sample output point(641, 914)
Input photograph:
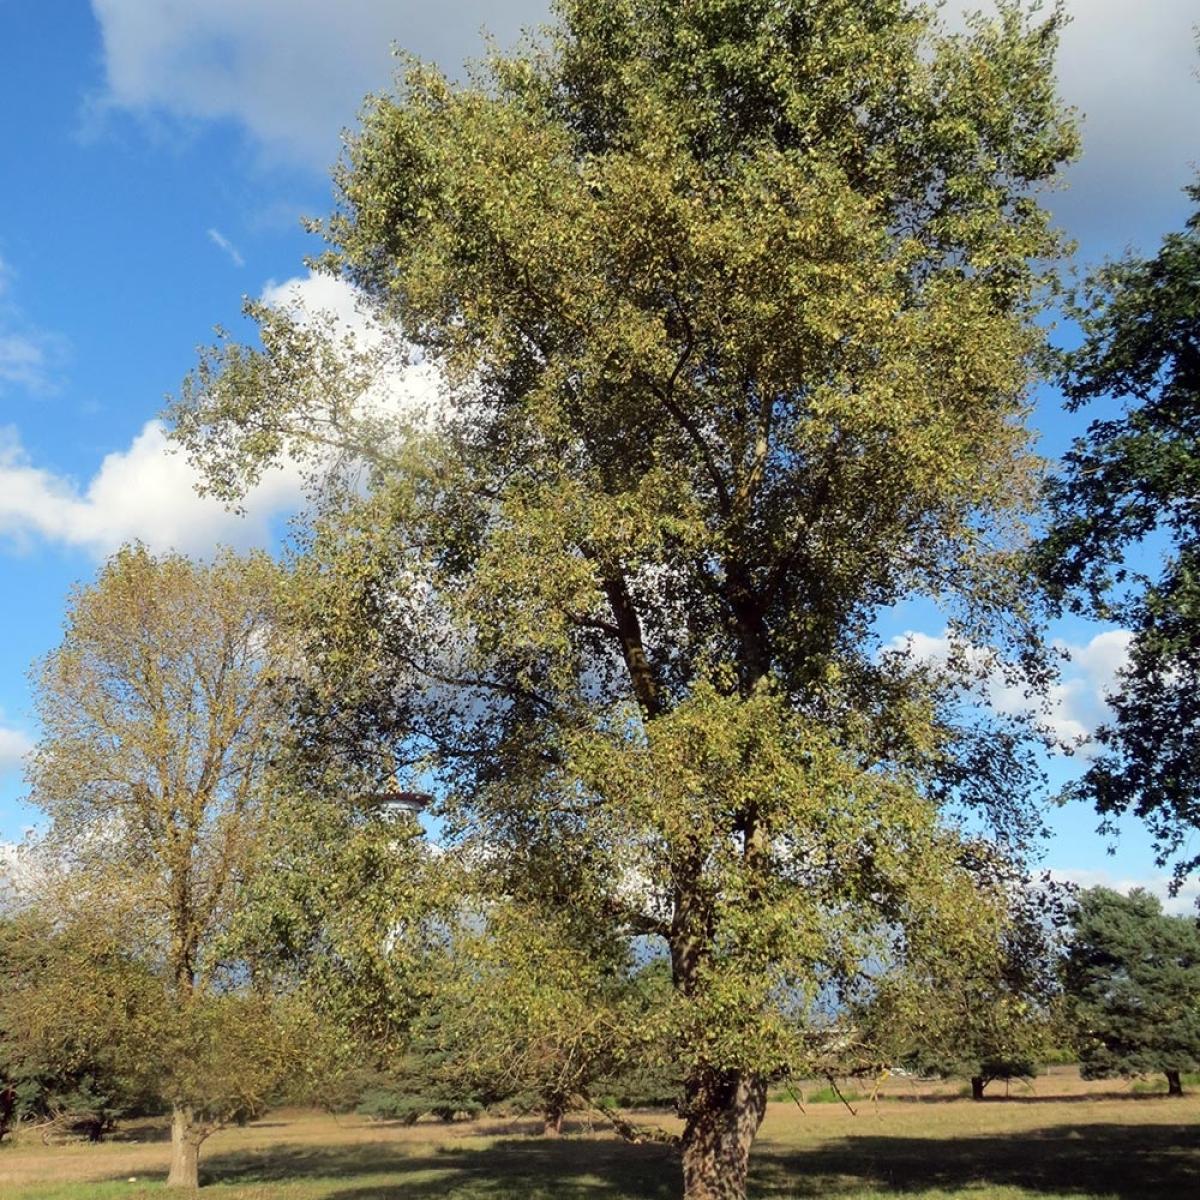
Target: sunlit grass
point(1061, 1140)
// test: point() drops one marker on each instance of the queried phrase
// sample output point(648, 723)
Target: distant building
point(395, 804)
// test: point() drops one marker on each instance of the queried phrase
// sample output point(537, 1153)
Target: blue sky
point(159, 157)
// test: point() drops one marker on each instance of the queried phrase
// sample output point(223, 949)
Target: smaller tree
point(1133, 985)
point(985, 1014)
point(160, 712)
point(228, 1055)
point(421, 1082)
point(529, 1009)
point(90, 1032)
point(70, 1000)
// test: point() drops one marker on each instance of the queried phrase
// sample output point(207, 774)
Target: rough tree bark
point(1174, 1084)
point(186, 1137)
point(723, 1116)
point(552, 1121)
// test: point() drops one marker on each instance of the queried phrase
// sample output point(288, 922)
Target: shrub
point(384, 1104)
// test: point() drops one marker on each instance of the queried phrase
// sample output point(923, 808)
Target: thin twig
point(837, 1091)
point(787, 1083)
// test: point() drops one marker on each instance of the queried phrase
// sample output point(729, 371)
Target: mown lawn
point(1059, 1140)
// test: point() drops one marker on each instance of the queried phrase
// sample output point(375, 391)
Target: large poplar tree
point(736, 304)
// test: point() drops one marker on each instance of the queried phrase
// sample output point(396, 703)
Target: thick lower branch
point(636, 921)
point(638, 1135)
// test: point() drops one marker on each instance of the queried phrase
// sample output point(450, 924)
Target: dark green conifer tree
point(1133, 978)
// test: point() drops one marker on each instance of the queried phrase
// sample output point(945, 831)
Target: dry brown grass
point(1058, 1138)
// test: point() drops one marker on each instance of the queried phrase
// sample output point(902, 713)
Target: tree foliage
point(526, 1013)
point(157, 711)
point(1133, 982)
point(344, 906)
point(1125, 544)
point(734, 302)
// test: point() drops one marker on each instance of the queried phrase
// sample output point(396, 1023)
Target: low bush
point(382, 1104)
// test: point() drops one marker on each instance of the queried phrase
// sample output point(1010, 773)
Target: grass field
point(1058, 1139)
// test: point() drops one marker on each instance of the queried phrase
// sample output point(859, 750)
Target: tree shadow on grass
point(1026, 1097)
point(1126, 1161)
point(508, 1169)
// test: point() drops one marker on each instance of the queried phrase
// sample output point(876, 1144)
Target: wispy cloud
point(29, 357)
point(219, 240)
point(14, 745)
point(1182, 904)
point(24, 361)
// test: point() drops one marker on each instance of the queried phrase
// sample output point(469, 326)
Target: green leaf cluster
point(72, 1042)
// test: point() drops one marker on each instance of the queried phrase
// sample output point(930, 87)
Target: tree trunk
point(723, 1115)
point(186, 1137)
point(8, 1105)
point(978, 1083)
point(552, 1120)
point(1174, 1084)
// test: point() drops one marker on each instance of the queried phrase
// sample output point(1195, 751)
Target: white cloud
point(1075, 705)
point(14, 745)
point(1079, 701)
point(219, 240)
point(292, 73)
point(1183, 904)
point(19, 870)
point(404, 388)
point(1131, 70)
point(146, 491)
point(317, 293)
